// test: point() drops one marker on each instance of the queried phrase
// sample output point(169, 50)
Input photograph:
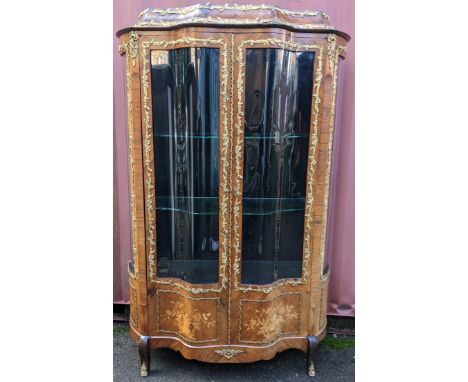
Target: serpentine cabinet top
point(234, 16)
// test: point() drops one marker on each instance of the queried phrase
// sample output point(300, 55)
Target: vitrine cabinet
point(231, 113)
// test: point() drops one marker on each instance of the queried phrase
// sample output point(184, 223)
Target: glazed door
point(186, 90)
point(277, 105)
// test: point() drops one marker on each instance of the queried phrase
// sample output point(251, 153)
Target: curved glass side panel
point(185, 100)
point(330, 218)
point(278, 99)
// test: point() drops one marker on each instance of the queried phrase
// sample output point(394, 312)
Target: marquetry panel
point(264, 321)
point(192, 319)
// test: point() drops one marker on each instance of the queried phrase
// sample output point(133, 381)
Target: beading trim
point(179, 334)
point(225, 144)
point(331, 128)
point(299, 313)
point(238, 150)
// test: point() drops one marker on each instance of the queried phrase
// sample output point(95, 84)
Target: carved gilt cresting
point(229, 321)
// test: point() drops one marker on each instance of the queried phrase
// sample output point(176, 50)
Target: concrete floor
point(333, 364)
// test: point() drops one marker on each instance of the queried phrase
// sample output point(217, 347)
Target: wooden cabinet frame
point(162, 308)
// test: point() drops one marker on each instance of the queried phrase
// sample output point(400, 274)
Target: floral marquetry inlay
point(192, 319)
point(267, 323)
point(190, 322)
point(267, 320)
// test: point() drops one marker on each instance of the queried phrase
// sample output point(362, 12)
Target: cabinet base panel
point(235, 353)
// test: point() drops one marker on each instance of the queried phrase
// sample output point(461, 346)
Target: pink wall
point(341, 223)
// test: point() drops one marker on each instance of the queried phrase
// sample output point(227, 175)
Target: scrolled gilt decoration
point(123, 49)
point(228, 353)
point(331, 48)
point(231, 132)
point(238, 152)
point(224, 163)
point(149, 171)
point(225, 7)
point(220, 21)
point(133, 43)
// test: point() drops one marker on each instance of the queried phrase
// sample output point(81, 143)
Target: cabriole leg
point(312, 345)
point(144, 350)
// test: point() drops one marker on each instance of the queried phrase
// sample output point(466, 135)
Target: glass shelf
point(210, 205)
point(270, 206)
point(182, 136)
point(191, 205)
point(258, 136)
point(246, 137)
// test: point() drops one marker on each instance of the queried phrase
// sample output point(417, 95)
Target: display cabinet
point(231, 113)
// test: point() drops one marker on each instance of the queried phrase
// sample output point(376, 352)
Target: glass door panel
point(185, 101)
point(278, 98)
